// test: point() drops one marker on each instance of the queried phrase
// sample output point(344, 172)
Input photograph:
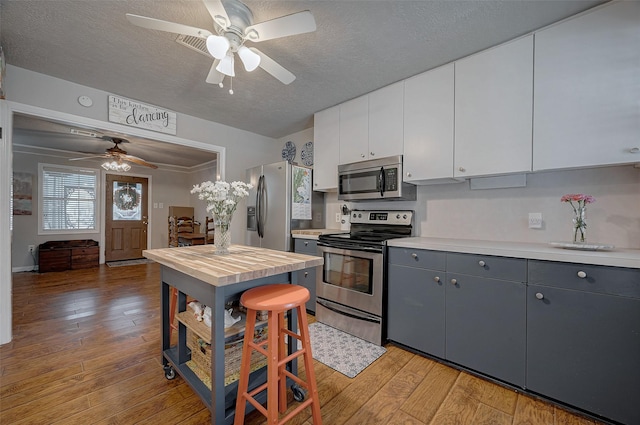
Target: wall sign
point(137, 114)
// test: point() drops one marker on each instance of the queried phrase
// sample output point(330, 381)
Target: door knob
point(539, 295)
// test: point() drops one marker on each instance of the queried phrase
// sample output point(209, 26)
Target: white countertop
point(313, 233)
point(535, 251)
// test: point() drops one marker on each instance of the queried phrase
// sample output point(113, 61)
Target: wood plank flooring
point(86, 350)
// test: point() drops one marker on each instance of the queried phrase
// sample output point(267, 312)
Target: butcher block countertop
point(243, 263)
point(534, 251)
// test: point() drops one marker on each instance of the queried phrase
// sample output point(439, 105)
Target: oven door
point(352, 278)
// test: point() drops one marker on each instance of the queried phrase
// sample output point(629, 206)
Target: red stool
point(276, 299)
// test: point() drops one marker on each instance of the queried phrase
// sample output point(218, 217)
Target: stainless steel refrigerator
point(281, 200)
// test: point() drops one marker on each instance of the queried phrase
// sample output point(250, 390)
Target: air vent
point(194, 43)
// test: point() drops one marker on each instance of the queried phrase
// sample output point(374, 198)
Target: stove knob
point(404, 216)
point(359, 215)
point(354, 215)
point(398, 216)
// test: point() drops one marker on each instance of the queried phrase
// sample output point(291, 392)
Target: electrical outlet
point(31, 248)
point(535, 220)
point(338, 218)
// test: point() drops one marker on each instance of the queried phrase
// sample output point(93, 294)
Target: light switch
point(535, 220)
point(160, 205)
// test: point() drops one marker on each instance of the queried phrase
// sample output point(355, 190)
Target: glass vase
point(222, 235)
point(580, 225)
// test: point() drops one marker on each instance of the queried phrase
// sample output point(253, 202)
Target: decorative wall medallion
point(289, 152)
point(306, 154)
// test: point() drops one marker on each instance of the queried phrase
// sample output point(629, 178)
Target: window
point(68, 199)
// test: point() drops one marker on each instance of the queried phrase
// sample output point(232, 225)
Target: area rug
point(129, 262)
point(340, 351)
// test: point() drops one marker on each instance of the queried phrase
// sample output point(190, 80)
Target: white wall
point(455, 211)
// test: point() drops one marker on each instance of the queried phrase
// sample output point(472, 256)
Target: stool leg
point(282, 353)
point(272, 368)
point(245, 368)
point(303, 324)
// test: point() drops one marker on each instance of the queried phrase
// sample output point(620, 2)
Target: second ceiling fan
point(233, 26)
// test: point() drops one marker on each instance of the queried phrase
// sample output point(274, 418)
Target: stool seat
point(276, 297)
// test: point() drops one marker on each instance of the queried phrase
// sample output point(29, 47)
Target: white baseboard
point(24, 269)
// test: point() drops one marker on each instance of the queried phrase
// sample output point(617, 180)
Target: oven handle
point(337, 245)
point(367, 318)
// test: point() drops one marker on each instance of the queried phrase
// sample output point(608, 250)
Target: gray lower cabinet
point(583, 337)
point(307, 277)
point(486, 315)
point(416, 299)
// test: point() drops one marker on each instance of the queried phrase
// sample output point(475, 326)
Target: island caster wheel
point(298, 393)
point(169, 372)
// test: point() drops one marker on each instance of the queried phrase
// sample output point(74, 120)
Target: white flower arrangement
point(222, 197)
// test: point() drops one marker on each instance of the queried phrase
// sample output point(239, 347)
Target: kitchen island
point(215, 280)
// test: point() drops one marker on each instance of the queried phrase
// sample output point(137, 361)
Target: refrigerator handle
point(259, 206)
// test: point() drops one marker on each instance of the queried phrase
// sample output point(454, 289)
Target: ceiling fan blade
point(215, 76)
point(274, 68)
point(157, 24)
point(136, 160)
point(218, 12)
point(297, 23)
point(89, 157)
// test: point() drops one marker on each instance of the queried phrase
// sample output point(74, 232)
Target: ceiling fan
point(118, 156)
point(233, 24)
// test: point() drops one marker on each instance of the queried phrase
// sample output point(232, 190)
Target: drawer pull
point(582, 274)
point(481, 263)
point(306, 244)
point(437, 278)
point(539, 295)
point(414, 256)
point(306, 274)
point(454, 281)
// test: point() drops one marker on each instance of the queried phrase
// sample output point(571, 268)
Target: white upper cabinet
point(493, 110)
point(587, 90)
point(326, 144)
point(354, 130)
point(386, 121)
point(428, 126)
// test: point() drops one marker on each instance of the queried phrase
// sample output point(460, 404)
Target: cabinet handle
point(306, 274)
point(414, 256)
point(315, 184)
point(373, 154)
point(362, 155)
point(306, 244)
point(437, 278)
point(461, 169)
point(408, 174)
point(539, 295)
point(454, 281)
point(582, 274)
point(481, 263)
point(634, 150)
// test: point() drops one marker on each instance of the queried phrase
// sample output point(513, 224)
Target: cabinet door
point(584, 349)
point(354, 130)
point(493, 110)
point(586, 89)
point(326, 143)
point(307, 278)
point(485, 326)
point(416, 309)
point(428, 125)
point(385, 121)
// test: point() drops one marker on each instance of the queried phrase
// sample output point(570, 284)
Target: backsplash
point(455, 211)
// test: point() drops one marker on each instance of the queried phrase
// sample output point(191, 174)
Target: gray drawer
point(421, 258)
point(503, 268)
point(306, 246)
point(589, 278)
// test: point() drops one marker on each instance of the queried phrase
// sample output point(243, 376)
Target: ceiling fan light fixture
point(116, 166)
point(218, 46)
point(250, 59)
point(226, 65)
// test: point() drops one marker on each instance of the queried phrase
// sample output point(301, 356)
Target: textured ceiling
point(359, 46)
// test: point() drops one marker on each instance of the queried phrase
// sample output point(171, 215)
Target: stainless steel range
point(352, 286)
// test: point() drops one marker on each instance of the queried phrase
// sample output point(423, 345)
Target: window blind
point(68, 198)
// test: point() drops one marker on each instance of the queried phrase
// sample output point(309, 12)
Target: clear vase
point(222, 235)
point(580, 225)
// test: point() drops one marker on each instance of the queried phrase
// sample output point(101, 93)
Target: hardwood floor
point(86, 350)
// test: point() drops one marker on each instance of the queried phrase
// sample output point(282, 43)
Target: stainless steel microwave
point(376, 179)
